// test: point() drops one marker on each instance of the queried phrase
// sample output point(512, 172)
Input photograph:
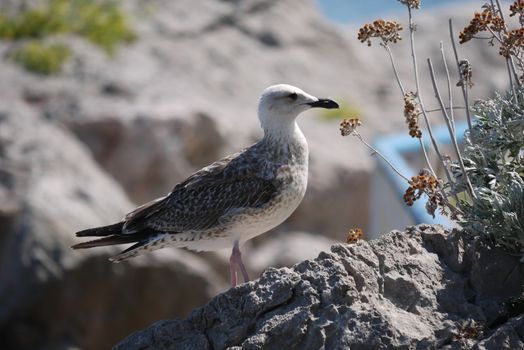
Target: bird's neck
point(283, 132)
point(286, 144)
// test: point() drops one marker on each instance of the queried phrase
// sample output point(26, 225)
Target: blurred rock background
point(119, 124)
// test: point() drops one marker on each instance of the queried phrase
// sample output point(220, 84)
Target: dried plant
point(414, 4)
point(487, 20)
point(387, 31)
point(518, 9)
point(484, 187)
point(512, 43)
point(425, 183)
point(468, 330)
point(349, 126)
point(354, 235)
point(411, 112)
point(413, 107)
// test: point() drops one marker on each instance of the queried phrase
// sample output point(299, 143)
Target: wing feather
point(198, 203)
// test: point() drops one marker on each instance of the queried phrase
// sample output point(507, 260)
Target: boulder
point(52, 296)
point(406, 290)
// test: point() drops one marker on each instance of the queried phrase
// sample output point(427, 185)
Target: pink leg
point(234, 261)
point(233, 269)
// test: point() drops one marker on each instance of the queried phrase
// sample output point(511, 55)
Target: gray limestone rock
point(402, 291)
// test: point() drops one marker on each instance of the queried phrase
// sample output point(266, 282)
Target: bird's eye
point(293, 96)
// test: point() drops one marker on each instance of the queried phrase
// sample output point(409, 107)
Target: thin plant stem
point(414, 55)
point(419, 95)
point(450, 95)
point(495, 36)
point(451, 131)
point(466, 99)
point(423, 148)
point(392, 60)
point(513, 91)
point(425, 153)
point(520, 62)
point(464, 88)
point(426, 119)
point(438, 109)
point(511, 63)
point(357, 134)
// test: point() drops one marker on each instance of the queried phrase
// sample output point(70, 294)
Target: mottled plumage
point(231, 200)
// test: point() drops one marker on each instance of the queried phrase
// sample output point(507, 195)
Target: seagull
point(234, 199)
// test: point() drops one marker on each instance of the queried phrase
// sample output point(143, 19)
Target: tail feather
point(111, 240)
point(150, 243)
point(112, 235)
point(130, 252)
point(102, 231)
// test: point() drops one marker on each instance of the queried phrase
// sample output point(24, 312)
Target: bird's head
point(281, 104)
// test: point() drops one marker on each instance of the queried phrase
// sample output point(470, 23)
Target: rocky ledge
point(419, 289)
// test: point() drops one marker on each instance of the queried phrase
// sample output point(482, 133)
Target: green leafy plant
point(104, 24)
point(40, 58)
point(494, 161)
point(35, 23)
point(101, 22)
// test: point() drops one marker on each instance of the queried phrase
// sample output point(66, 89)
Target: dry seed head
point(518, 8)
point(411, 113)
point(388, 31)
point(414, 4)
point(512, 43)
point(422, 183)
point(354, 235)
point(480, 22)
point(349, 126)
point(470, 330)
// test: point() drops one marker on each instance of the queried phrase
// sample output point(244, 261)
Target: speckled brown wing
point(199, 202)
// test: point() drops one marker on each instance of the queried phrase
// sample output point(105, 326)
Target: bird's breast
point(288, 169)
point(292, 180)
point(292, 176)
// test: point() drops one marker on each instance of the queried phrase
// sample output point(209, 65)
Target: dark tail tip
point(81, 245)
point(102, 231)
point(104, 241)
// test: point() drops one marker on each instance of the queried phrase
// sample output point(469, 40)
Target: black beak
point(324, 103)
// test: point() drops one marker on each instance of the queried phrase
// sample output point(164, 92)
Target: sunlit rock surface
point(422, 288)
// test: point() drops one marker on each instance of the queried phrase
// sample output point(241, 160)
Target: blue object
point(394, 148)
point(357, 12)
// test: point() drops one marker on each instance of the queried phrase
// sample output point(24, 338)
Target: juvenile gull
point(232, 200)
